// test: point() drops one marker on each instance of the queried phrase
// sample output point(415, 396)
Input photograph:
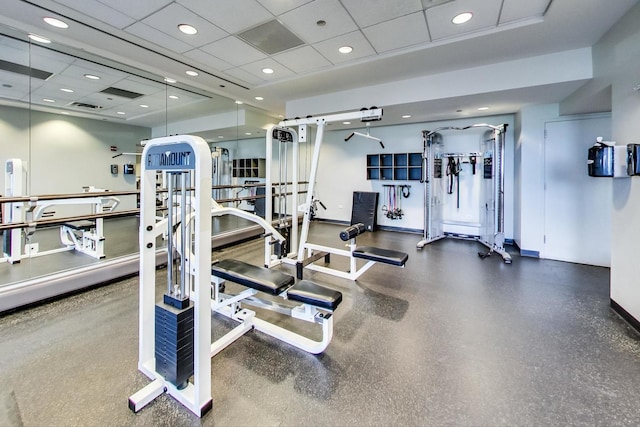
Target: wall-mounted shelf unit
point(394, 167)
point(248, 168)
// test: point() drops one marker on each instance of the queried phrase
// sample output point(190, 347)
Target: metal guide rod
point(170, 217)
point(310, 189)
point(183, 229)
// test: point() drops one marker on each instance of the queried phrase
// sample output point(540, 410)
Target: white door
point(577, 217)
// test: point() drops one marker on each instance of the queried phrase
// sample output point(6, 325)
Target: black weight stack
point(174, 343)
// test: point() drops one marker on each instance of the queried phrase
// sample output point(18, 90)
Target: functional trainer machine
point(308, 253)
point(491, 165)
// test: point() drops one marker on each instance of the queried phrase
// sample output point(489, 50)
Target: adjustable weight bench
point(317, 304)
point(370, 254)
point(83, 236)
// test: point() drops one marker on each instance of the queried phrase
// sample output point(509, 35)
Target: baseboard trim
point(632, 321)
point(532, 254)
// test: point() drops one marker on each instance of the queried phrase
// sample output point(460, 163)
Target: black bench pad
point(251, 276)
point(308, 292)
point(386, 256)
point(80, 225)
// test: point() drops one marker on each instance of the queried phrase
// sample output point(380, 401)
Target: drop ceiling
point(299, 41)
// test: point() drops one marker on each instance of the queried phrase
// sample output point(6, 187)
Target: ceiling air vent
point(271, 37)
point(24, 70)
point(121, 92)
point(85, 105)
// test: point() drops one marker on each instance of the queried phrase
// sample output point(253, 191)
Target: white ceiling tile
point(514, 10)
point(78, 72)
point(398, 33)
point(278, 7)
point(485, 15)
point(231, 15)
point(99, 11)
point(47, 64)
point(157, 37)
point(207, 59)
point(234, 51)
point(302, 21)
point(79, 85)
point(371, 12)
point(18, 85)
point(360, 45)
point(135, 85)
point(137, 9)
point(279, 70)
point(302, 60)
point(168, 19)
point(54, 92)
point(244, 76)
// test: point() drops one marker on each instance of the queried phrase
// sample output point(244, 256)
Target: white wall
point(530, 177)
point(617, 62)
point(66, 153)
point(572, 65)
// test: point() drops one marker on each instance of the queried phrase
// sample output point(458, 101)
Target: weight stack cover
point(174, 343)
point(365, 209)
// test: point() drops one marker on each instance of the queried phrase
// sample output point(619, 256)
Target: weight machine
point(490, 161)
point(83, 236)
point(175, 334)
point(308, 253)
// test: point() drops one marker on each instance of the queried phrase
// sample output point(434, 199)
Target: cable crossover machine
point(305, 254)
point(439, 166)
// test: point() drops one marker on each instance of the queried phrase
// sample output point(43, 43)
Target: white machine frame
point(230, 305)
point(195, 396)
point(88, 241)
point(496, 242)
point(305, 249)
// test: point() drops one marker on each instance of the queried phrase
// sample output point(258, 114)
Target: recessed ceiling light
point(239, 102)
point(187, 29)
point(220, 136)
point(483, 108)
point(92, 77)
point(321, 23)
point(247, 133)
point(122, 113)
point(346, 123)
point(48, 100)
point(406, 116)
point(345, 49)
point(191, 73)
point(55, 22)
point(174, 97)
point(67, 90)
point(144, 106)
point(170, 80)
point(259, 98)
point(39, 39)
point(267, 70)
point(462, 18)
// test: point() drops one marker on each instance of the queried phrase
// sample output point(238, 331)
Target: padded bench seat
point(385, 256)
point(308, 292)
point(258, 278)
point(80, 225)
